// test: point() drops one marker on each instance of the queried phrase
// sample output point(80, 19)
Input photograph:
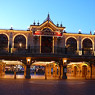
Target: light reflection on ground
point(58, 82)
point(23, 77)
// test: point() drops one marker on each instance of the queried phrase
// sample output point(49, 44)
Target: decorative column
point(53, 69)
point(46, 71)
point(28, 68)
point(3, 69)
point(53, 45)
point(10, 42)
point(28, 42)
point(79, 47)
point(64, 68)
point(81, 70)
point(94, 47)
point(59, 71)
point(25, 70)
point(49, 70)
point(63, 40)
point(40, 44)
point(0, 69)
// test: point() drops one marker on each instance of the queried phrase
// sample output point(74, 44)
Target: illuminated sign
point(50, 33)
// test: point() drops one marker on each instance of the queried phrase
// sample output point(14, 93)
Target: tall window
point(71, 44)
point(87, 44)
point(46, 44)
point(3, 41)
point(20, 41)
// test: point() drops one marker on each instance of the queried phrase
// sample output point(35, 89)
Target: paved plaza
point(46, 87)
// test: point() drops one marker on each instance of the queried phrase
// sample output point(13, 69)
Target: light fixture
point(20, 44)
point(79, 31)
point(11, 27)
point(94, 32)
point(28, 60)
point(65, 61)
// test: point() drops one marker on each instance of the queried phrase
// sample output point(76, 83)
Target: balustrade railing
point(37, 50)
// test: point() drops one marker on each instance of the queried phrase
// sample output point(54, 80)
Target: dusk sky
point(74, 14)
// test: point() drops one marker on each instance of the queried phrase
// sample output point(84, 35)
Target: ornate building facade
point(50, 42)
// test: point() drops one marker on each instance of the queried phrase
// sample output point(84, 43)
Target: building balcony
point(48, 52)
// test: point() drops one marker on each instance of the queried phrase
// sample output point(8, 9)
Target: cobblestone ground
point(46, 87)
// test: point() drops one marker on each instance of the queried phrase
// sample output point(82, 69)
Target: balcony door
point(46, 44)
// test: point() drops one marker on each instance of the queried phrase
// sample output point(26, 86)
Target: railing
point(36, 50)
point(87, 52)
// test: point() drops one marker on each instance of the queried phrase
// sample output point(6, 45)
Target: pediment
point(48, 23)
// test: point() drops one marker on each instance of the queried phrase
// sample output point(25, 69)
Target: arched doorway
point(71, 45)
point(44, 70)
point(3, 41)
point(87, 46)
point(20, 42)
point(9, 67)
point(84, 71)
point(75, 71)
point(46, 41)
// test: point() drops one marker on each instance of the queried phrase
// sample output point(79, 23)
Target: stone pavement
point(46, 87)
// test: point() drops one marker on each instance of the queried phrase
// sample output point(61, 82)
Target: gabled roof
point(48, 23)
point(48, 18)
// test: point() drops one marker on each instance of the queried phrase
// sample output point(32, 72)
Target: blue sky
point(74, 14)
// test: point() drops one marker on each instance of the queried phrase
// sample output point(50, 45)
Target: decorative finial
point(57, 24)
point(28, 28)
point(38, 22)
point(61, 24)
point(11, 27)
point(34, 22)
point(65, 30)
point(79, 31)
point(48, 18)
point(90, 32)
point(94, 32)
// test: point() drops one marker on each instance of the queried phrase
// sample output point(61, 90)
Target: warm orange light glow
point(65, 61)
point(37, 33)
point(20, 44)
point(28, 60)
point(58, 34)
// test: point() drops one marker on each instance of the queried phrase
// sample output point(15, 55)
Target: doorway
point(84, 71)
point(75, 71)
point(46, 44)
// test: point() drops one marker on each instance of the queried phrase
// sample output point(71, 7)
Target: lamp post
point(64, 68)
point(28, 68)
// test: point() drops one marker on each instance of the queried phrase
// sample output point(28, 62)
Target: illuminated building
point(48, 43)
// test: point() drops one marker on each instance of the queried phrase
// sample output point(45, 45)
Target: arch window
point(87, 44)
point(71, 44)
point(3, 41)
point(19, 41)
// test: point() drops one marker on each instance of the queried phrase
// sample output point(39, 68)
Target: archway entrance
point(75, 71)
point(84, 71)
point(46, 44)
point(45, 70)
point(10, 68)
